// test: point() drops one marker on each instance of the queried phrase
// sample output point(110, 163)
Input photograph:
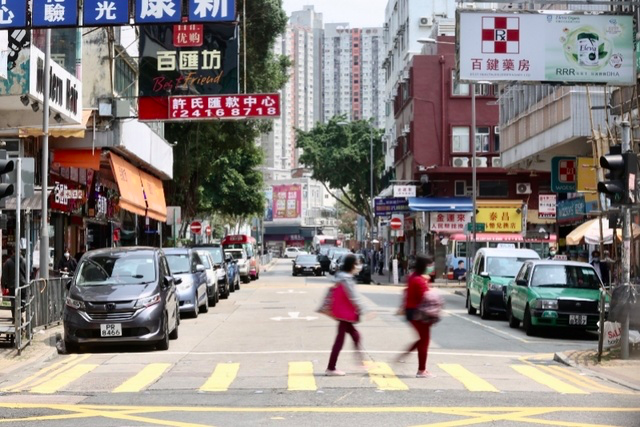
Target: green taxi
point(491, 272)
point(554, 294)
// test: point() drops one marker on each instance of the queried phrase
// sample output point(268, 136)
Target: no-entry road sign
point(196, 227)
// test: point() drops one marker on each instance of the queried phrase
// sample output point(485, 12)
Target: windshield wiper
point(102, 270)
point(553, 285)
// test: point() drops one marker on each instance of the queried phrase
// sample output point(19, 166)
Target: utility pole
point(626, 244)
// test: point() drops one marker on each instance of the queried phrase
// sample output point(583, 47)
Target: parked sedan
point(553, 294)
point(123, 295)
point(233, 273)
point(185, 263)
point(306, 264)
point(213, 294)
point(241, 261)
point(219, 265)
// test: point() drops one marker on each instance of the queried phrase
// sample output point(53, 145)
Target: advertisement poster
point(287, 201)
point(268, 206)
point(547, 206)
point(203, 62)
point(546, 47)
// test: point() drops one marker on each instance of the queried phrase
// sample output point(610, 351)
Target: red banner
point(224, 106)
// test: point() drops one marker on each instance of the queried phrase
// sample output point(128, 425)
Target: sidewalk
point(43, 347)
point(377, 279)
point(611, 368)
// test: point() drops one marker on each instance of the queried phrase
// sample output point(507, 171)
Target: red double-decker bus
point(248, 243)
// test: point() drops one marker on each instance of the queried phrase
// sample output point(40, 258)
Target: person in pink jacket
point(347, 310)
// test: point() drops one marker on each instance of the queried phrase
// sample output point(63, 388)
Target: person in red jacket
point(417, 285)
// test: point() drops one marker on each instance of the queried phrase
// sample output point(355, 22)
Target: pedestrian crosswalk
point(81, 373)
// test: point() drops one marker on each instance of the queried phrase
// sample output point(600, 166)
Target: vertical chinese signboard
point(547, 206)
point(287, 202)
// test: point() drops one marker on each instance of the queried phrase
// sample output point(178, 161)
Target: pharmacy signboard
point(553, 46)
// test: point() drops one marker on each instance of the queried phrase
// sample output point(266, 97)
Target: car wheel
point(513, 322)
point(484, 310)
point(526, 323)
point(231, 288)
point(174, 334)
point(237, 285)
point(226, 292)
point(204, 308)
point(163, 344)
point(470, 308)
point(213, 299)
point(70, 347)
point(294, 274)
point(196, 309)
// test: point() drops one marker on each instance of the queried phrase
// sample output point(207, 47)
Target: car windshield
point(179, 263)
point(205, 259)
point(235, 254)
point(116, 270)
point(306, 258)
point(215, 252)
point(565, 276)
point(504, 266)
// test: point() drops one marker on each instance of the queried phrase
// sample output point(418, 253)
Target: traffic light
point(6, 166)
point(620, 183)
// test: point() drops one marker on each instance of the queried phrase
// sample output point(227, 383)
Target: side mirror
point(177, 280)
point(293, 261)
point(484, 274)
point(168, 280)
point(521, 282)
point(200, 268)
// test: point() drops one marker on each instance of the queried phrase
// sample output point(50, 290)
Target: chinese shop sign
point(390, 205)
point(13, 14)
point(449, 221)
point(105, 12)
point(224, 107)
point(54, 13)
point(500, 220)
point(546, 47)
point(547, 206)
point(171, 65)
point(287, 201)
point(67, 196)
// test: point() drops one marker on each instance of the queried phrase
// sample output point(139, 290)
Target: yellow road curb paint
point(547, 380)
point(65, 378)
point(382, 375)
point(301, 377)
point(17, 386)
point(470, 380)
point(582, 381)
point(48, 372)
point(222, 377)
point(147, 376)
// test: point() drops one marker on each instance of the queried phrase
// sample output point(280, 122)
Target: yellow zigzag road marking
point(222, 377)
point(470, 380)
point(547, 380)
point(63, 379)
point(301, 377)
point(382, 374)
point(147, 376)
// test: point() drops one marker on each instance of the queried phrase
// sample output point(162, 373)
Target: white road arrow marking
point(291, 291)
point(294, 315)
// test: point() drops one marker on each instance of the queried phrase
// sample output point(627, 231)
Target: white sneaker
point(334, 373)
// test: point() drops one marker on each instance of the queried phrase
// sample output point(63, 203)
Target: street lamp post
point(372, 217)
point(472, 88)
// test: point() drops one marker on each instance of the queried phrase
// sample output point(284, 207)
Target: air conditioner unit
point(496, 130)
point(481, 162)
point(405, 75)
point(496, 162)
point(426, 21)
point(406, 129)
point(523, 188)
point(469, 191)
point(460, 162)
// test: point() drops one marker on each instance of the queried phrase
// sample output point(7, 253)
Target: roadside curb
point(459, 292)
point(43, 348)
point(270, 264)
point(561, 357)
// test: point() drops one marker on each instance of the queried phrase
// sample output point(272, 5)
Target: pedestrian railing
point(265, 259)
point(41, 303)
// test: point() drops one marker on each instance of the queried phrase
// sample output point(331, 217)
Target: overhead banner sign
point(546, 47)
point(170, 67)
point(384, 207)
point(224, 107)
point(64, 13)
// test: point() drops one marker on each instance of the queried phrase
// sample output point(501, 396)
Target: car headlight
point(317, 265)
point(547, 304)
point(297, 266)
point(495, 286)
point(147, 302)
point(76, 304)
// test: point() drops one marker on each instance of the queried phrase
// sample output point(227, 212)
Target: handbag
point(430, 308)
point(337, 305)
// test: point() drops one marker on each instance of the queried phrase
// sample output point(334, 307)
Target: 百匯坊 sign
point(208, 69)
point(546, 47)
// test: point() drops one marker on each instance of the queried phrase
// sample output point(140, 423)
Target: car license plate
point(111, 330)
point(577, 319)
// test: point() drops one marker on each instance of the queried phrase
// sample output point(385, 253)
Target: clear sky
point(358, 13)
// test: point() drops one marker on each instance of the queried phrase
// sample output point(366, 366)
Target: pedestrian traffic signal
point(620, 183)
point(6, 166)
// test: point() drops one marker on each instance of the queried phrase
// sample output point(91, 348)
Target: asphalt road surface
point(259, 358)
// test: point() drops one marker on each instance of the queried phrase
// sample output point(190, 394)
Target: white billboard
point(546, 47)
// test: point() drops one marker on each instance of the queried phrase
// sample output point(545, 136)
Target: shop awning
point(491, 203)
point(65, 131)
point(87, 159)
point(128, 179)
point(440, 204)
point(33, 203)
point(589, 233)
point(154, 193)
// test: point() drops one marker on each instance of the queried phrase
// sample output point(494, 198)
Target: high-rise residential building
point(353, 79)
point(300, 97)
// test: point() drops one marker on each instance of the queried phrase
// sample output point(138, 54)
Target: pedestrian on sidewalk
point(417, 285)
point(347, 308)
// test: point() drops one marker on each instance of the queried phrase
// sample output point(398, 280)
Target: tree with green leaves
point(216, 162)
point(337, 153)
